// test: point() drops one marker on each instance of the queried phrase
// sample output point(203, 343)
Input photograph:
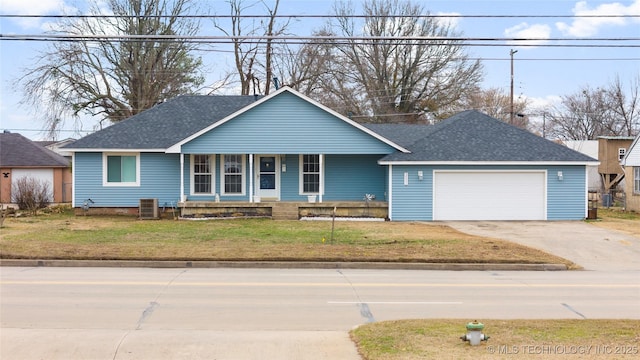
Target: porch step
point(284, 211)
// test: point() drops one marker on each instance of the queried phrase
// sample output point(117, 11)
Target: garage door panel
point(489, 196)
point(41, 175)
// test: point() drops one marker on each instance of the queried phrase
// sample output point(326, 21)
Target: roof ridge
point(442, 124)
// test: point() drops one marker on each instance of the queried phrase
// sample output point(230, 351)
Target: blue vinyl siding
point(347, 178)
point(286, 124)
point(413, 201)
point(289, 180)
point(566, 198)
point(157, 180)
point(350, 177)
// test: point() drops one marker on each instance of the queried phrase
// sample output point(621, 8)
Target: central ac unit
point(148, 209)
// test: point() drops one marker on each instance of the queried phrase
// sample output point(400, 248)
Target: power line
point(620, 42)
point(319, 16)
point(393, 39)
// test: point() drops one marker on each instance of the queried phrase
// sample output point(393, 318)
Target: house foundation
point(283, 210)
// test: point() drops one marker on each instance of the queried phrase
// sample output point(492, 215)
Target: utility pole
point(511, 113)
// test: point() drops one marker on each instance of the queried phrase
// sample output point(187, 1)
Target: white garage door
point(41, 175)
point(489, 195)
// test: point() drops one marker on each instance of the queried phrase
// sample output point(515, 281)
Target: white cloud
point(449, 18)
point(540, 32)
point(31, 7)
point(540, 103)
point(583, 27)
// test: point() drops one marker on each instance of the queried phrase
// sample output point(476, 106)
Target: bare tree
point(115, 79)
point(253, 59)
point(589, 113)
point(315, 69)
point(407, 79)
point(245, 53)
point(625, 106)
point(305, 68)
point(579, 116)
point(496, 103)
point(31, 194)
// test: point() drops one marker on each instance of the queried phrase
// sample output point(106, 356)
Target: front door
point(268, 177)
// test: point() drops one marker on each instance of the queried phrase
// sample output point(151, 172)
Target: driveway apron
point(587, 245)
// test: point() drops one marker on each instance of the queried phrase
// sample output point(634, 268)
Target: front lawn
point(65, 236)
point(617, 219)
point(517, 339)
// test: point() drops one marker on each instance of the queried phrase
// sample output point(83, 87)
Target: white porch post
point(251, 178)
point(73, 180)
point(321, 178)
point(183, 198)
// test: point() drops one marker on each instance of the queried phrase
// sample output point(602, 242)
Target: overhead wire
point(569, 42)
point(321, 16)
point(319, 39)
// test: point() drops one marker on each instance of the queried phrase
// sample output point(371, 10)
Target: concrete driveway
point(587, 245)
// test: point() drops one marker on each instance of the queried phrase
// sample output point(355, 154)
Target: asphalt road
point(141, 313)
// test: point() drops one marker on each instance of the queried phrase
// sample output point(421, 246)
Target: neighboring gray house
point(284, 149)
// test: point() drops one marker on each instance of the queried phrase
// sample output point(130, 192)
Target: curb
point(281, 265)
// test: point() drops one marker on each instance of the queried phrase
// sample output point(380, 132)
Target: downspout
point(182, 197)
point(251, 194)
point(321, 190)
point(390, 193)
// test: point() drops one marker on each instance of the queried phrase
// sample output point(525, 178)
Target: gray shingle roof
point(165, 124)
point(466, 136)
point(401, 134)
point(18, 151)
point(474, 136)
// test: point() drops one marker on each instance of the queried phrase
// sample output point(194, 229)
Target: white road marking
point(397, 302)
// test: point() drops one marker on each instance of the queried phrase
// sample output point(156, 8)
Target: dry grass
point(616, 219)
point(517, 339)
point(64, 236)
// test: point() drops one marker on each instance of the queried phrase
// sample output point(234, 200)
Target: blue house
point(287, 156)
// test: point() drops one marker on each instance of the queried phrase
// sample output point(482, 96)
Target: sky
point(542, 73)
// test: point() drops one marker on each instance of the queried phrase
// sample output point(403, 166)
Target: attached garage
point(489, 195)
point(475, 167)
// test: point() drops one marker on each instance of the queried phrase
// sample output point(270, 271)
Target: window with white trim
point(202, 169)
point(121, 169)
point(310, 174)
point(621, 152)
point(636, 179)
point(233, 178)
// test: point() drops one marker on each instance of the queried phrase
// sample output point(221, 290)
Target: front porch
point(284, 210)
